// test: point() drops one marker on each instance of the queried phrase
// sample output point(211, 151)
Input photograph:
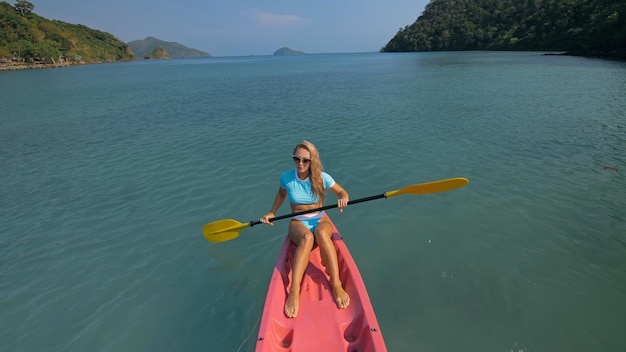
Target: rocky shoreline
point(14, 66)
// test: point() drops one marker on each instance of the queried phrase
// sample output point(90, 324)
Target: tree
point(24, 7)
point(588, 27)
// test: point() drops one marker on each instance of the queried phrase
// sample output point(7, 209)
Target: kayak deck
point(320, 325)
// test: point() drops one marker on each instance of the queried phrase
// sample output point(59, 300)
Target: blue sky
point(244, 27)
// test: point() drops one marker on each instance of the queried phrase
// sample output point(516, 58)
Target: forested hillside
point(27, 37)
point(593, 27)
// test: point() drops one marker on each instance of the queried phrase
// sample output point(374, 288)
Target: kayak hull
point(320, 325)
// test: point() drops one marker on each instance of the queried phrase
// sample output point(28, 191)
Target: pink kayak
point(320, 325)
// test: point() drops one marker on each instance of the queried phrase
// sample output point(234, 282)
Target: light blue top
point(299, 191)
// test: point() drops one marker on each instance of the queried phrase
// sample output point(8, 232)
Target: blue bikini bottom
point(310, 221)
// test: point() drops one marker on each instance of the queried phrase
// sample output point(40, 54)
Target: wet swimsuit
point(299, 192)
point(310, 221)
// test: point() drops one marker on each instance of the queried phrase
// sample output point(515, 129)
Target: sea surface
point(109, 172)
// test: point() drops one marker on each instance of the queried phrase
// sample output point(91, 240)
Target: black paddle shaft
point(356, 201)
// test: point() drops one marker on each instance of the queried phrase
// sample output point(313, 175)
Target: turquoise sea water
point(108, 173)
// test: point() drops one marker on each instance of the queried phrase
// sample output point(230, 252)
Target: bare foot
point(341, 297)
point(291, 306)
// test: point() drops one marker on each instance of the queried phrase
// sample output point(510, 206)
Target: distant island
point(578, 27)
point(286, 51)
point(144, 49)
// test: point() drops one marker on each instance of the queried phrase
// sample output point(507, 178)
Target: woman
point(304, 186)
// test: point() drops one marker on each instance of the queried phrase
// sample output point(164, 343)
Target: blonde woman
point(305, 186)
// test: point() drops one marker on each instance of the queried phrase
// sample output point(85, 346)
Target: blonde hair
point(315, 169)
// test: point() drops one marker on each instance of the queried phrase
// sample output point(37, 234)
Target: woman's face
point(302, 159)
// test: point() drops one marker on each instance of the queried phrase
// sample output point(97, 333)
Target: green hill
point(590, 27)
point(30, 38)
point(143, 48)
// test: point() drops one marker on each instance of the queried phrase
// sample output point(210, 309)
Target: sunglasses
point(297, 160)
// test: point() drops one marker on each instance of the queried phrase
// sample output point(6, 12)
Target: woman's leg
point(323, 238)
point(304, 240)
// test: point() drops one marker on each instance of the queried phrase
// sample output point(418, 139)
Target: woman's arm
point(278, 201)
point(342, 194)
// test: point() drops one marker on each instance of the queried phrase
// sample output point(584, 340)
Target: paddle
point(228, 229)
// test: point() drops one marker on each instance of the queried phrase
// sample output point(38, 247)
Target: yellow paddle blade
point(430, 187)
point(223, 230)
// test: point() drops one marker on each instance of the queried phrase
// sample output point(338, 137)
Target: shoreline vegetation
point(589, 28)
point(29, 41)
point(15, 65)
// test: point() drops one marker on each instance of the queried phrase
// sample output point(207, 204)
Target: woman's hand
point(266, 218)
point(342, 203)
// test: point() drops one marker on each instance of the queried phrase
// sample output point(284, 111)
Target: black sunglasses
point(297, 160)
